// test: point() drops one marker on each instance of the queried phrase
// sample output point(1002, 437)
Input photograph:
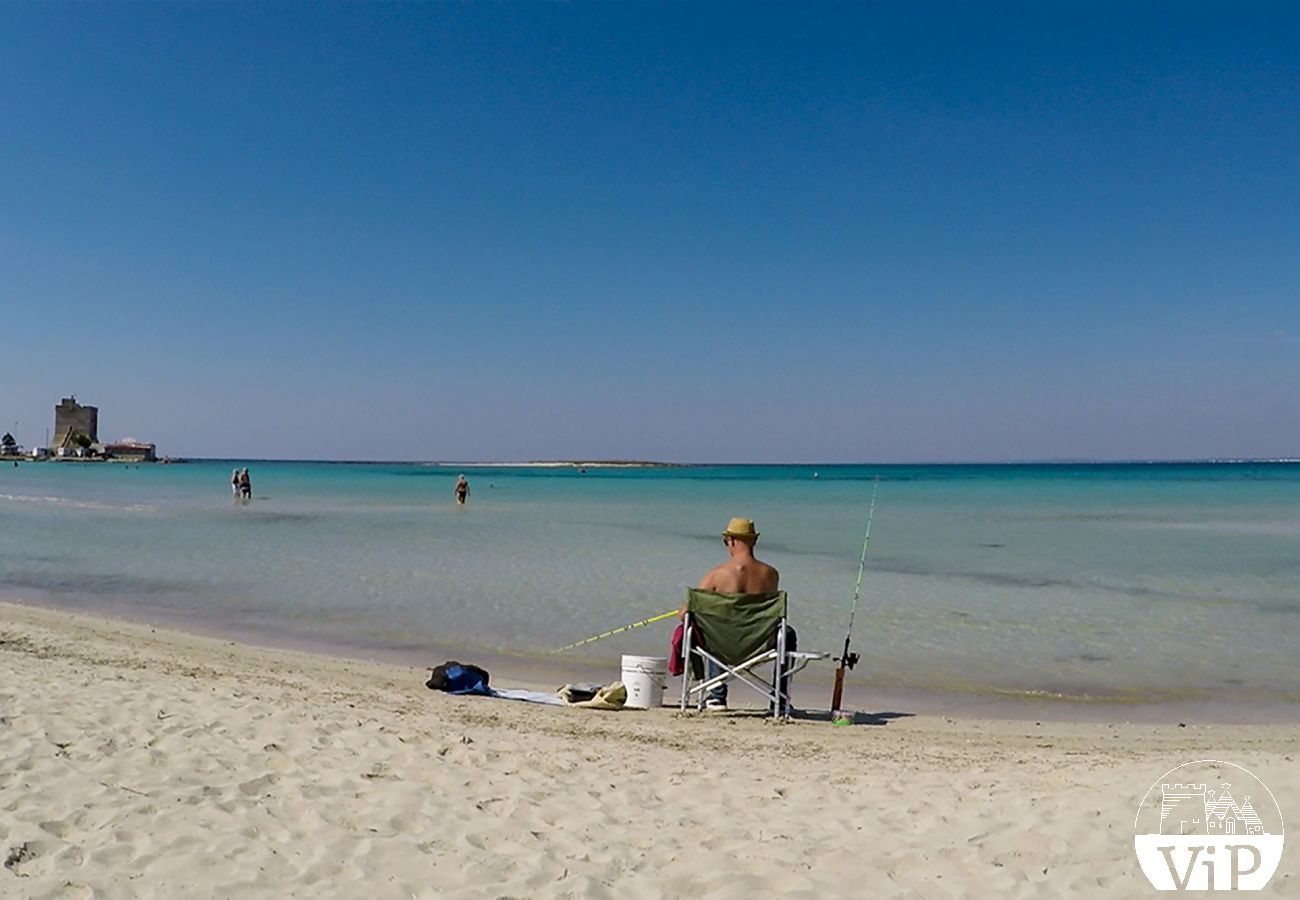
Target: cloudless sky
point(681, 231)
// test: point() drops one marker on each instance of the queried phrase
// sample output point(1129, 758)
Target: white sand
point(136, 763)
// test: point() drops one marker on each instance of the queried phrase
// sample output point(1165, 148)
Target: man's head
point(740, 531)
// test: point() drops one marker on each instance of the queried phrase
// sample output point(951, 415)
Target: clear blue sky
point(735, 232)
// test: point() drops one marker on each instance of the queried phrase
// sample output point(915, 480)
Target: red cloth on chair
point(676, 665)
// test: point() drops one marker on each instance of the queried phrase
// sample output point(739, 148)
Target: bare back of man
point(742, 573)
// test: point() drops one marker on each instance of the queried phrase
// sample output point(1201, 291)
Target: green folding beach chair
point(739, 633)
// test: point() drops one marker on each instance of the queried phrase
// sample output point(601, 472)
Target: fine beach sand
point(148, 763)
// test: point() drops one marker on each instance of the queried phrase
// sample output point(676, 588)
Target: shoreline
point(145, 762)
point(811, 689)
point(695, 464)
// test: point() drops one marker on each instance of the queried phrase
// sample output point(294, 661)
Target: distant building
point(76, 435)
point(71, 420)
point(131, 450)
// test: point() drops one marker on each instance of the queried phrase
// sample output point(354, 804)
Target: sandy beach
point(141, 762)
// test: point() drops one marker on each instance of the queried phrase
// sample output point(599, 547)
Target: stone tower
point(71, 419)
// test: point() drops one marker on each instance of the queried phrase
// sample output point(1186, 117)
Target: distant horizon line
point(668, 464)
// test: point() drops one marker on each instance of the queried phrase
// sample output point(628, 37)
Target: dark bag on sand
point(458, 678)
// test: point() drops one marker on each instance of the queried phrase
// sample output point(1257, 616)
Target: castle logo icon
point(1209, 826)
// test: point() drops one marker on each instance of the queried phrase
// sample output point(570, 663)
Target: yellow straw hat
point(741, 528)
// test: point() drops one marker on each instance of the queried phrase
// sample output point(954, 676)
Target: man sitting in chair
point(742, 573)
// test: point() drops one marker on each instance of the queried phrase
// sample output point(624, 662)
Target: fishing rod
point(597, 637)
point(848, 659)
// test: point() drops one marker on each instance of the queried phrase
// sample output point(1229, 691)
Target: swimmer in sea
point(462, 490)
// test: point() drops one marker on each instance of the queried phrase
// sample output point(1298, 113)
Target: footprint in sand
point(259, 786)
point(60, 829)
point(30, 858)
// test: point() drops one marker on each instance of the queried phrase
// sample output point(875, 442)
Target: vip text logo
point(1209, 826)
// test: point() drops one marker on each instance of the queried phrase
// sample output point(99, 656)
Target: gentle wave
point(70, 503)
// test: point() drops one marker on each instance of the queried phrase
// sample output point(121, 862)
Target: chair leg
point(686, 659)
point(781, 708)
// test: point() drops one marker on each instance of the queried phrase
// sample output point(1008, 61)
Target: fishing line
point(848, 659)
point(616, 631)
point(862, 563)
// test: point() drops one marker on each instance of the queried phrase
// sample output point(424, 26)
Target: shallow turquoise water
point(1099, 581)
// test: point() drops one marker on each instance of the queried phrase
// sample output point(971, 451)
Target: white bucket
point(645, 678)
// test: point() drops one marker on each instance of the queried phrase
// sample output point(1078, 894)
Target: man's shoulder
point(714, 579)
point(768, 576)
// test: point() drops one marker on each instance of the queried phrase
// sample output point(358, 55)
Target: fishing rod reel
point(849, 659)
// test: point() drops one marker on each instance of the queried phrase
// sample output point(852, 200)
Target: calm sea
point(1106, 582)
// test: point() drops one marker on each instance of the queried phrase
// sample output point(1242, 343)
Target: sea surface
point(1120, 583)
